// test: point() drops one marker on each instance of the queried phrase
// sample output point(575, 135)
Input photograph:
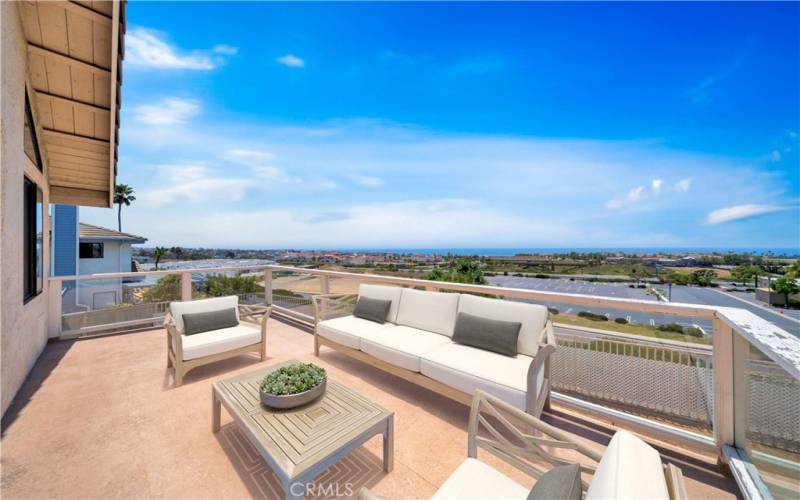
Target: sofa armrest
point(258, 314)
point(329, 305)
point(538, 383)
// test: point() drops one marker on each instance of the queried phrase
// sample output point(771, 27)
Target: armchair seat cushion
point(475, 479)
point(466, 368)
point(217, 341)
point(348, 330)
point(402, 345)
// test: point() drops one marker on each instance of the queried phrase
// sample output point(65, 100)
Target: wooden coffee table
point(300, 443)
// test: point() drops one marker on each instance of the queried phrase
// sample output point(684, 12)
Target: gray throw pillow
point(561, 483)
point(207, 321)
point(372, 309)
point(487, 334)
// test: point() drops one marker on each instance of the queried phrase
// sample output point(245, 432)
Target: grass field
point(643, 330)
point(721, 273)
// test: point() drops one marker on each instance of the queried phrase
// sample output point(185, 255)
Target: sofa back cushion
point(178, 309)
point(431, 311)
point(532, 316)
point(629, 469)
point(383, 292)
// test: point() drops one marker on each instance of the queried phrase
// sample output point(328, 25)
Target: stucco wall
point(23, 327)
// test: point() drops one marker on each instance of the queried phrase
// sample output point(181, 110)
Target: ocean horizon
point(502, 252)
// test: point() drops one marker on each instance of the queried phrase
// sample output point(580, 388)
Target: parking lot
point(616, 290)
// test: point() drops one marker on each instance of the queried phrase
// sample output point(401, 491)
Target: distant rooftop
point(91, 233)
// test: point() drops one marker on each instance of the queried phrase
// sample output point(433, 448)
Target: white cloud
point(169, 111)
point(226, 50)
point(248, 156)
point(196, 184)
point(741, 212)
point(633, 196)
point(683, 185)
point(291, 61)
point(656, 185)
point(367, 181)
point(149, 48)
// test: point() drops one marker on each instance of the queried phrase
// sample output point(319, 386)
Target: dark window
point(91, 250)
point(31, 143)
point(33, 244)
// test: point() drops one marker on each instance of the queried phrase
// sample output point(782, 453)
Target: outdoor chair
point(628, 469)
point(244, 333)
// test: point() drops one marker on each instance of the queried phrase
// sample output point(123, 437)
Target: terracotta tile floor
point(98, 418)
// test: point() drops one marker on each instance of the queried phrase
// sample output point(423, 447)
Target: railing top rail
point(780, 345)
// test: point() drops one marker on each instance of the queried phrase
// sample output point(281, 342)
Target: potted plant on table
point(293, 385)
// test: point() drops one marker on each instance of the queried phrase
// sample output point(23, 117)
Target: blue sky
point(279, 125)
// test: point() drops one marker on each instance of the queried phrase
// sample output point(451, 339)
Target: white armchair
point(185, 352)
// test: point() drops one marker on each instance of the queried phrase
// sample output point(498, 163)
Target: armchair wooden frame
point(537, 399)
point(255, 314)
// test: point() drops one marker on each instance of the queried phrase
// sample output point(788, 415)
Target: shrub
point(220, 285)
point(166, 289)
point(293, 379)
point(592, 316)
point(621, 321)
point(670, 327)
point(541, 276)
point(693, 331)
point(552, 310)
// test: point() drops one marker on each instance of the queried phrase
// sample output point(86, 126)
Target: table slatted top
point(299, 438)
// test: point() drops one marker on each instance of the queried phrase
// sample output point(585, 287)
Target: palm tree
point(123, 194)
point(159, 252)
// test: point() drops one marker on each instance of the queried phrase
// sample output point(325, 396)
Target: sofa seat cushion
point(629, 469)
point(402, 346)
point(466, 368)
point(431, 311)
point(217, 341)
point(348, 330)
point(476, 479)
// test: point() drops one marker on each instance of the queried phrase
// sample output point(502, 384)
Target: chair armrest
point(328, 304)
point(173, 334)
point(539, 365)
point(675, 483)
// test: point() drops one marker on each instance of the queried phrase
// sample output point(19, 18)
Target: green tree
point(219, 285)
point(703, 277)
point(785, 285)
point(745, 273)
point(459, 271)
point(123, 195)
point(166, 289)
point(158, 253)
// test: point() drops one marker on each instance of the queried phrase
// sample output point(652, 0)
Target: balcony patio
point(100, 418)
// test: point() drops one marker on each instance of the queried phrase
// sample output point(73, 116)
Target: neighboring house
point(59, 120)
point(80, 248)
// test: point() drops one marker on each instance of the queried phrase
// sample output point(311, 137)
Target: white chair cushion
point(402, 345)
point(431, 311)
point(217, 341)
point(467, 368)
point(476, 479)
point(382, 292)
point(629, 469)
point(532, 316)
point(348, 330)
point(178, 309)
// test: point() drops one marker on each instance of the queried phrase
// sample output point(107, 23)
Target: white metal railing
point(728, 388)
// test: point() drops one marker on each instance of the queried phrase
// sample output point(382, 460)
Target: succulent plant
point(293, 379)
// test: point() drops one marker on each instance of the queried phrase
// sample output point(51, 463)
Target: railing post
point(324, 288)
point(268, 286)
point(186, 287)
point(54, 308)
point(722, 359)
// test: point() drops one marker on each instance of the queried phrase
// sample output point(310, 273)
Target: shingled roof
point(91, 233)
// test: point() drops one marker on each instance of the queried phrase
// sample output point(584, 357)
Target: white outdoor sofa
point(628, 469)
point(415, 343)
point(185, 352)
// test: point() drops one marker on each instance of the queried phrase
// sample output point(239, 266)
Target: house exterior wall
point(96, 294)
point(23, 326)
